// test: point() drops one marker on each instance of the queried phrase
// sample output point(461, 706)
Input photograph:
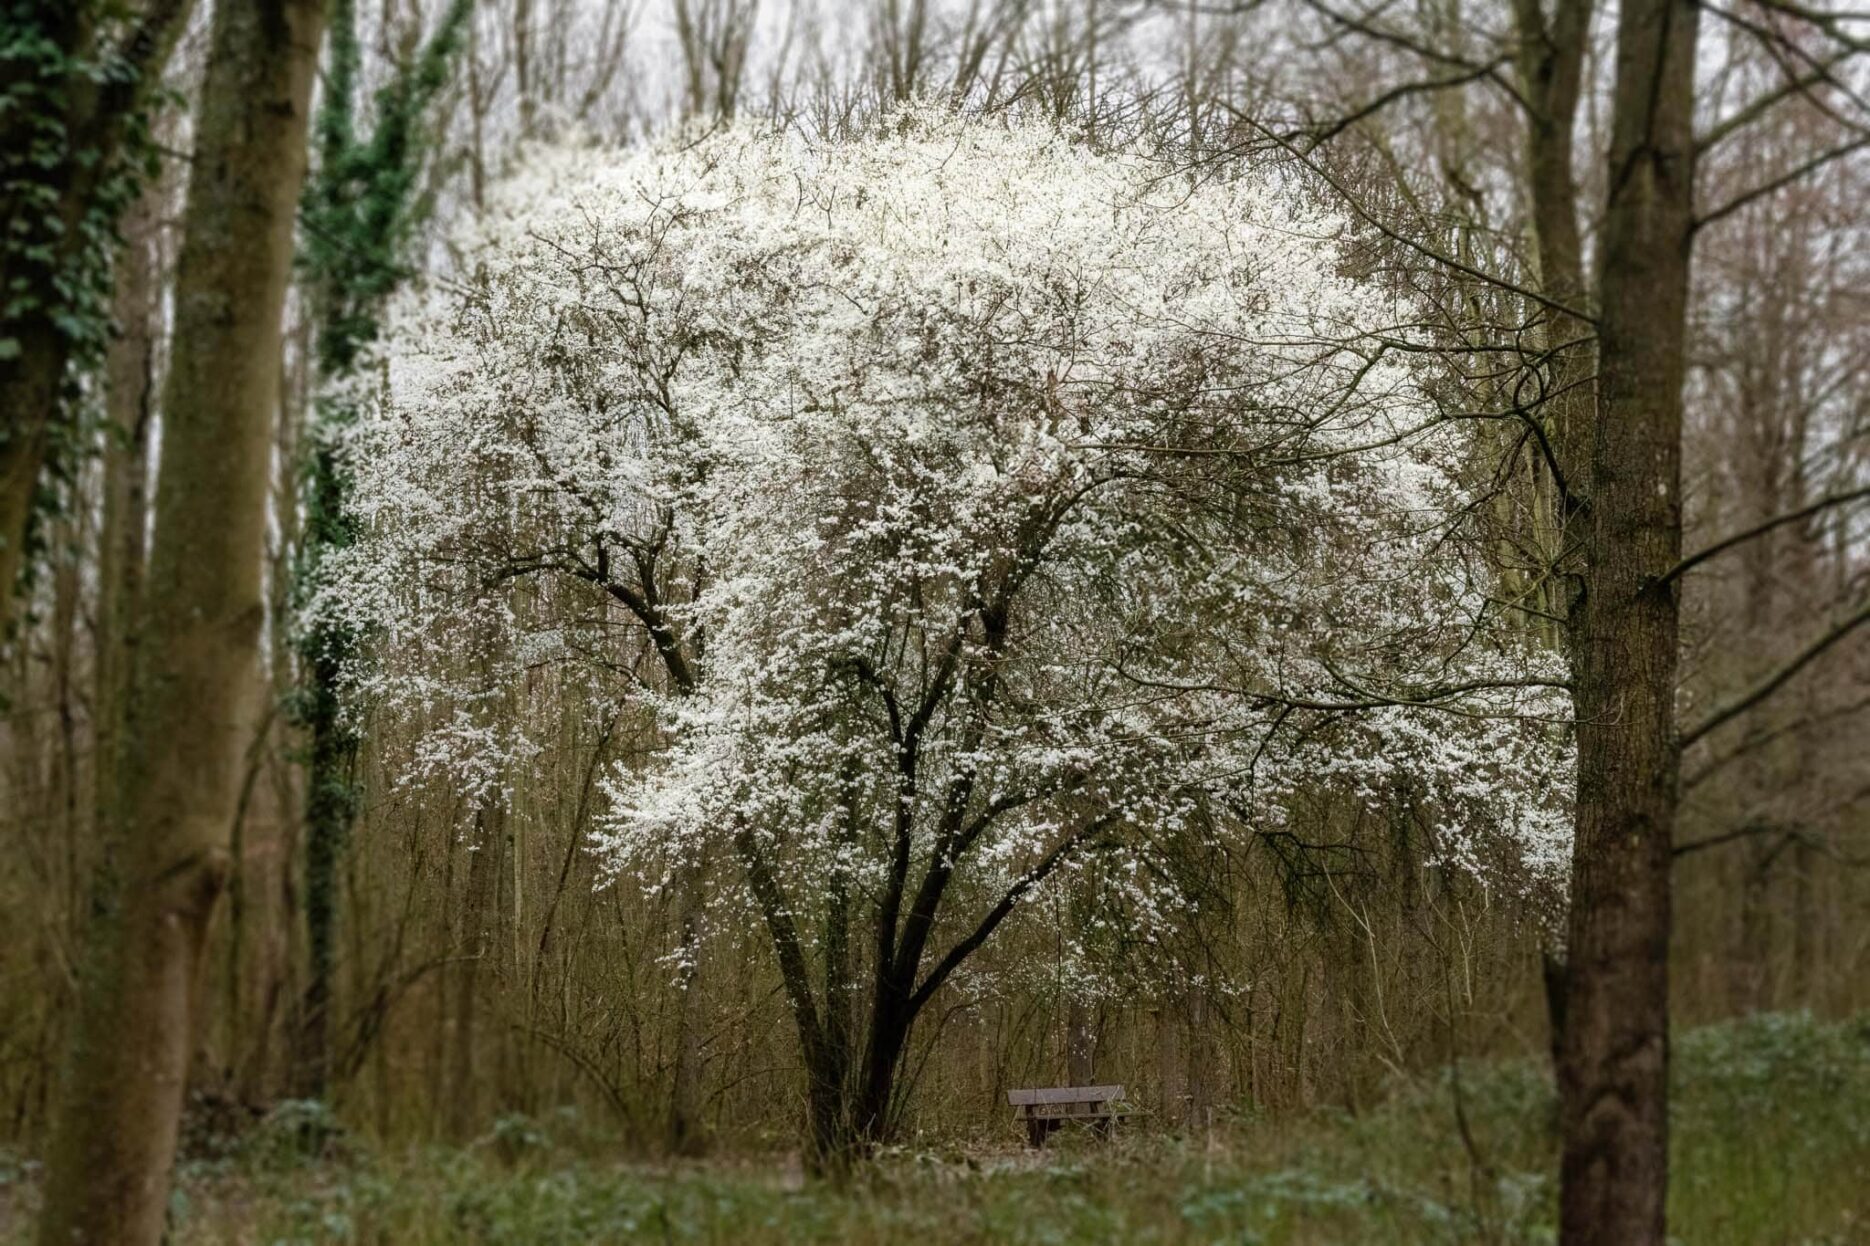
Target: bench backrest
point(1063, 1094)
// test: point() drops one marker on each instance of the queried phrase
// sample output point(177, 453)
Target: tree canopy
point(990, 504)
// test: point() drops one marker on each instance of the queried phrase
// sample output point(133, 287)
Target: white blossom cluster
point(956, 491)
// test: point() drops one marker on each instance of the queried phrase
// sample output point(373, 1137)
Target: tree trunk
point(57, 211)
point(890, 1022)
point(834, 1118)
point(1170, 1067)
point(1080, 1044)
point(33, 371)
point(1197, 1063)
point(29, 394)
point(190, 704)
point(685, 1130)
point(828, 1068)
point(330, 804)
point(479, 919)
point(1749, 963)
point(1551, 69)
point(129, 385)
point(263, 890)
point(1807, 951)
point(1613, 1074)
point(830, 1132)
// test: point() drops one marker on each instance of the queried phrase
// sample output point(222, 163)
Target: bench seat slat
point(1063, 1094)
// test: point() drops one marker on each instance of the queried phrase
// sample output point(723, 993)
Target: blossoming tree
point(985, 505)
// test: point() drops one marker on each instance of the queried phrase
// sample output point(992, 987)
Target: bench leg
point(1035, 1132)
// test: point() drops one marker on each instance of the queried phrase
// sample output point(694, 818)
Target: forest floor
point(1771, 1138)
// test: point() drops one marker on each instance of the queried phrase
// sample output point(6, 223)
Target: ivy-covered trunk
point(73, 152)
point(41, 200)
point(30, 381)
point(360, 209)
point(192, 693)
point(330, 793)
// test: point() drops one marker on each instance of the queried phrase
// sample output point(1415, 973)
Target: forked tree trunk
point(191, 699)
point(1613, 1070)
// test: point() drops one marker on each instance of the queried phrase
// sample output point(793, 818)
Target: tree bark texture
point(1613, 1069)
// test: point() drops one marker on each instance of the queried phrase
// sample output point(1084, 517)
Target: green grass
point(1772, 1145)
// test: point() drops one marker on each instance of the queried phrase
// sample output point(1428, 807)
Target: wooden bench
point(1045, 1109)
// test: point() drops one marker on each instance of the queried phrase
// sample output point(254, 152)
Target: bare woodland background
point(480, 968)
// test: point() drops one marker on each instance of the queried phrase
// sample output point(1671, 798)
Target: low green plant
point(1771, 1141)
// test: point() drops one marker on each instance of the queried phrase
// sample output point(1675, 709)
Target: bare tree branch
point(1773, 682)
point(1781, 182)
point(1760, 529)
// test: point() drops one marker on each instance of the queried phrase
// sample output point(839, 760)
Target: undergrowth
point(1771, 1132)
